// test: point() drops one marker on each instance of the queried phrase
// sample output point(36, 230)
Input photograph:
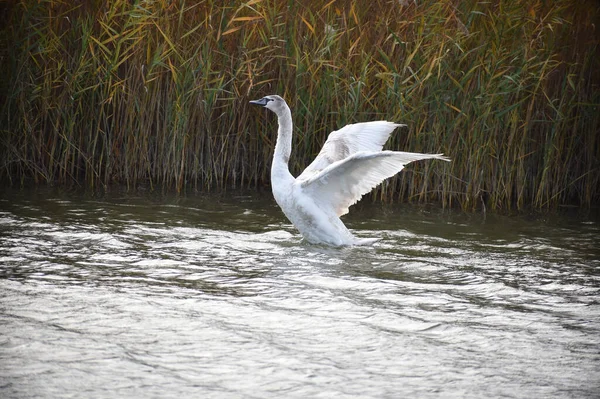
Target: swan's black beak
point(262, 102)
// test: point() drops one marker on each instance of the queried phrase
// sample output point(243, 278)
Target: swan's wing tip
point(443, 157)
point(394, 125)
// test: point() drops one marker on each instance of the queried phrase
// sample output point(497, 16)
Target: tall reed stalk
point(156, 92)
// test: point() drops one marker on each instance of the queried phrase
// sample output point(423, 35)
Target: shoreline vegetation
point(156, 93)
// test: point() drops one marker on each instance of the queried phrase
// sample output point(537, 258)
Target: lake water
point(160, 296)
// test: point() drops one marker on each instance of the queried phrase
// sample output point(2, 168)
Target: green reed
point(156, 93)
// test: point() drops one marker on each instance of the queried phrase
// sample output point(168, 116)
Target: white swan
point(350, 164)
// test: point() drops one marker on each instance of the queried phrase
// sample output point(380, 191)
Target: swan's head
point(272, 102)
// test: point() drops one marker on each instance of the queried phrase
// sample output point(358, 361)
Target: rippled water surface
point(135, 295)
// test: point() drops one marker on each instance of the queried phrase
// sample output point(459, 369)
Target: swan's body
point(350, 164)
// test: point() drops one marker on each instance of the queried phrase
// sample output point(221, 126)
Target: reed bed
point(156, 93)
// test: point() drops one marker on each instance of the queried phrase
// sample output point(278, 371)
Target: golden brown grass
point(157, 92)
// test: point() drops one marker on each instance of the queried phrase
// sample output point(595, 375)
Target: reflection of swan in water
point(350, 165)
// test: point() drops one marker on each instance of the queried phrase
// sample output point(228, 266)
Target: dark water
point(144, 296)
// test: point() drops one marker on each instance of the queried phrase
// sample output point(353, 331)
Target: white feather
point(344, 182)
point(350, 165)
point(357, 137)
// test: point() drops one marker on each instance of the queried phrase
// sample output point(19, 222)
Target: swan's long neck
point(283, 147)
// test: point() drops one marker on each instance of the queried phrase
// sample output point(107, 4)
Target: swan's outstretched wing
point(344, 182)
point(357, 137)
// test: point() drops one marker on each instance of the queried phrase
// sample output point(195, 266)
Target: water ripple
point(183, 297)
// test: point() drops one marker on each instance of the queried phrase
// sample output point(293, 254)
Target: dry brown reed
point(156, 92)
